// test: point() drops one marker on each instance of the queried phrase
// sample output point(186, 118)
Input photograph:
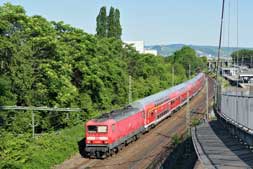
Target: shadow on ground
point(81, 147)
point(232, 143)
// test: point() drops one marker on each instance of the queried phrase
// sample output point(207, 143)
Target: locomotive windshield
point(92, 129)
point(102, 129)
point(97, 129)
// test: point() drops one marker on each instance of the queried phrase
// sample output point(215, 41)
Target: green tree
point(102, 23)
point(187, 56)
point(109, 26)
point(118, 28)
point(244, 57)
point(6, 95)
point(111, 23)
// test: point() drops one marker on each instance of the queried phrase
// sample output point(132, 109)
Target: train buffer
point(216, 148)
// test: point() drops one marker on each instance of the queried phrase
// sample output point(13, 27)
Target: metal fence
point(238, 106)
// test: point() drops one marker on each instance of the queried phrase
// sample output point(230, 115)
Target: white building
point(139, 46)
point(150, 51)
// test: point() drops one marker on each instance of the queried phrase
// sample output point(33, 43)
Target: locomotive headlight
point(90, 138)
point(103, 138)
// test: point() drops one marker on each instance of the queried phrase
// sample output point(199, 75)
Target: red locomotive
point(110, 132)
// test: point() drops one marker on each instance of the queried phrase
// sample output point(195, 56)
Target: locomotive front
point(98, 138)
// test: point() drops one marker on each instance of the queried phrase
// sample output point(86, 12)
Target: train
point(110, 132)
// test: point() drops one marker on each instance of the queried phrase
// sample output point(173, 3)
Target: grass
point(175, 139)
point(195, 122)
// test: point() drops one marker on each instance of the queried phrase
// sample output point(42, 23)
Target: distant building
point(150, 51)
point(139, 46)
point(231, 71)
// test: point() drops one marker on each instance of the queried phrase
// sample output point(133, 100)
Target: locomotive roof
point(118, 114)
point(163, 95)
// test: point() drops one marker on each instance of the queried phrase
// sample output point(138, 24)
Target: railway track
point(140, 153)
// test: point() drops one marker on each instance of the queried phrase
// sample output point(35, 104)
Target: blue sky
point(155, 22)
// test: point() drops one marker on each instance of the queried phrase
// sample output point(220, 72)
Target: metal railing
point(238, 106)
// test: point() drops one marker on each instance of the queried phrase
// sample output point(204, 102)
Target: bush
point(175, 140)
point(195, 122)
point(44, 151)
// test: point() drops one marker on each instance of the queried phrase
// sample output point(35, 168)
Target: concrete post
point(207, 101)
point(130, 89)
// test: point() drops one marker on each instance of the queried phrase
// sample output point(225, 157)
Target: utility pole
point(219, 51)
point(188, 116)
point(67, 116)
point(130, 89)
point(188, 125)
point(173, 76)
point(251, 62)
point(33, 125)
point(189, 71)
point(207, 103)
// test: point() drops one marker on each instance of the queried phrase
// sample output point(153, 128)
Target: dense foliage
point(56, 65)
point(188, 58)
point(109, 26)
point(40, 153)
point(244, 57)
